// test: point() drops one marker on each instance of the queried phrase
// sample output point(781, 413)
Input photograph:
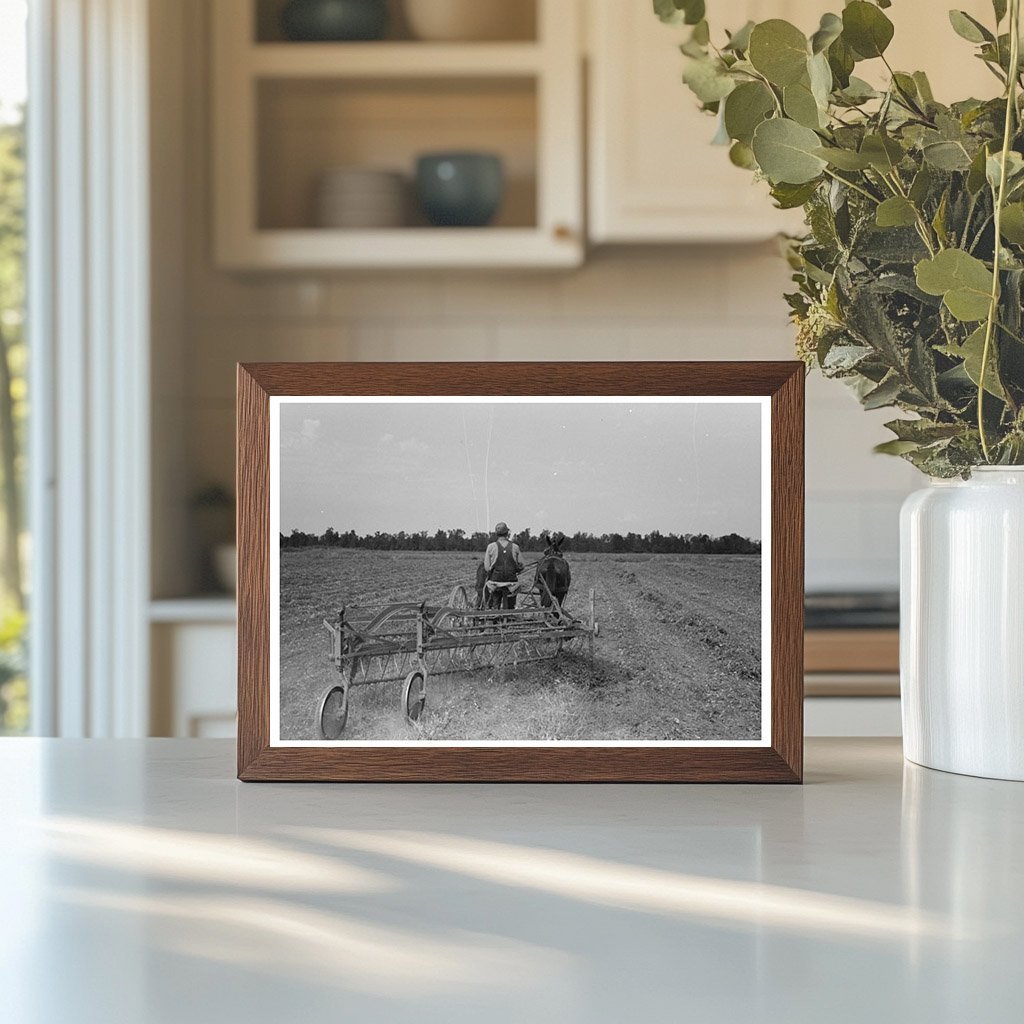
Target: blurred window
point(14, 540)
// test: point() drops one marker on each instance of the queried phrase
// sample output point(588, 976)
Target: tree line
point(654, 543)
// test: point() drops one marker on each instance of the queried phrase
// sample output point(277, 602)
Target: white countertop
point(143, 885)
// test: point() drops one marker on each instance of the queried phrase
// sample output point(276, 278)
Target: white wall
point(665, 303)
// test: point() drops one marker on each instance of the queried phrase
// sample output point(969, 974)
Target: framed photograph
point(520, 572)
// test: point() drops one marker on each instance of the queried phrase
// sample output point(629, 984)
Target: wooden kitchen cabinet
point(653, 175)
point(192, 647)
point(287, 113)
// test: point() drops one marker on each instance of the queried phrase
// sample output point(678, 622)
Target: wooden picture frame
point(778, 757)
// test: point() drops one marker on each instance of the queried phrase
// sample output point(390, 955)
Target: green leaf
point(997, 53)
point(939, 220)
point(963, 281)
point(778, 50)
point(866, 29)
point(969, 28)
point(906, 90)
point(695, 11)
point(922, 185)
point(741, 155)
point(976, 174)
point(746, 107)
point(801, 106)
point(971, 352)
point(820, 76)
point(887, 393)
point(841, 60)
point(896, 212)
point(883, 153)
point(831, 28)
point(1013, 223)
point(708, 80)
point(844, 159)
point(789, 197)
point(667, 11)
point(896, 447)
point(739, 41)
point(1014, 169)
point(858, 91)
point(924, 87)
point(676, 12)
point(923, 431)
point(947, 156)
point(785, 152)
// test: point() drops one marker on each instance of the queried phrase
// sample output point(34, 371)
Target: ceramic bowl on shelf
point(361, 198)
point(460, 189)
point(471, 20)
point(332, 21)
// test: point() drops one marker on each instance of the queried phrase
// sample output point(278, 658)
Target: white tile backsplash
point(414, 297)
point(505, 298)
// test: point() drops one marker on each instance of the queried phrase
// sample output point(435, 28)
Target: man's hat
point(501, 529)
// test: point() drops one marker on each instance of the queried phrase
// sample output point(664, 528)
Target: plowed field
point(678, 656)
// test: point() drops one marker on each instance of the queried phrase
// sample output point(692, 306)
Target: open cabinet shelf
point(394, 60)
point(287, 114)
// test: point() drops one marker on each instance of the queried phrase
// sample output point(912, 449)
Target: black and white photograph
point(519, 571)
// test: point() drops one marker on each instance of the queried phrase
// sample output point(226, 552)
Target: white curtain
point(88, 320)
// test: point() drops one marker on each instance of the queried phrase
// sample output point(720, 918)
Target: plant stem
point(856, 188)
point(1000, 199)
point(969, 218)
point(923, 228)
point(981, 231)
point(771, 89)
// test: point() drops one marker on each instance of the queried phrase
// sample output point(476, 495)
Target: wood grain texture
point(781, 762)
point(788, 569)
point(252, 486)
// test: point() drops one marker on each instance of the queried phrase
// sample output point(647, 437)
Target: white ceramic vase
point(962, 624)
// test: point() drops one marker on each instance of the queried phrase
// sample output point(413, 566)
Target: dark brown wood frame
point(782, 761)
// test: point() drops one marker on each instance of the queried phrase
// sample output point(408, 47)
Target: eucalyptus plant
point(910, 278)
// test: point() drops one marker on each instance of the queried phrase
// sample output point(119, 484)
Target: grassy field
point(678, 657)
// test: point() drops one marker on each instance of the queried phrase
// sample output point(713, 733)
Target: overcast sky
point(600, 468)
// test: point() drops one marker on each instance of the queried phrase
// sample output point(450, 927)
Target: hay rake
point(408, 643)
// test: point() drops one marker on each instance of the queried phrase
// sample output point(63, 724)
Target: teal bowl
point(334, 21)
point(460, 190)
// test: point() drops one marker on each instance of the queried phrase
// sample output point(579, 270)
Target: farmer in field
point(503, 562)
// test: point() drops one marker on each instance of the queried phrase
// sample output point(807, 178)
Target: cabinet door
point(654, 176)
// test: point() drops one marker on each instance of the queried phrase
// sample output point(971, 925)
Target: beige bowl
point(471, 20)
point(361, 198)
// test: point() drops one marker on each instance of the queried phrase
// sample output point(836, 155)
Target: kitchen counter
point(142, 884)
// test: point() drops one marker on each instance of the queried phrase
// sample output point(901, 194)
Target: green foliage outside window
point(13, 412)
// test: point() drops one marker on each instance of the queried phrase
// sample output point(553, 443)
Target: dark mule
point(553, 570)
